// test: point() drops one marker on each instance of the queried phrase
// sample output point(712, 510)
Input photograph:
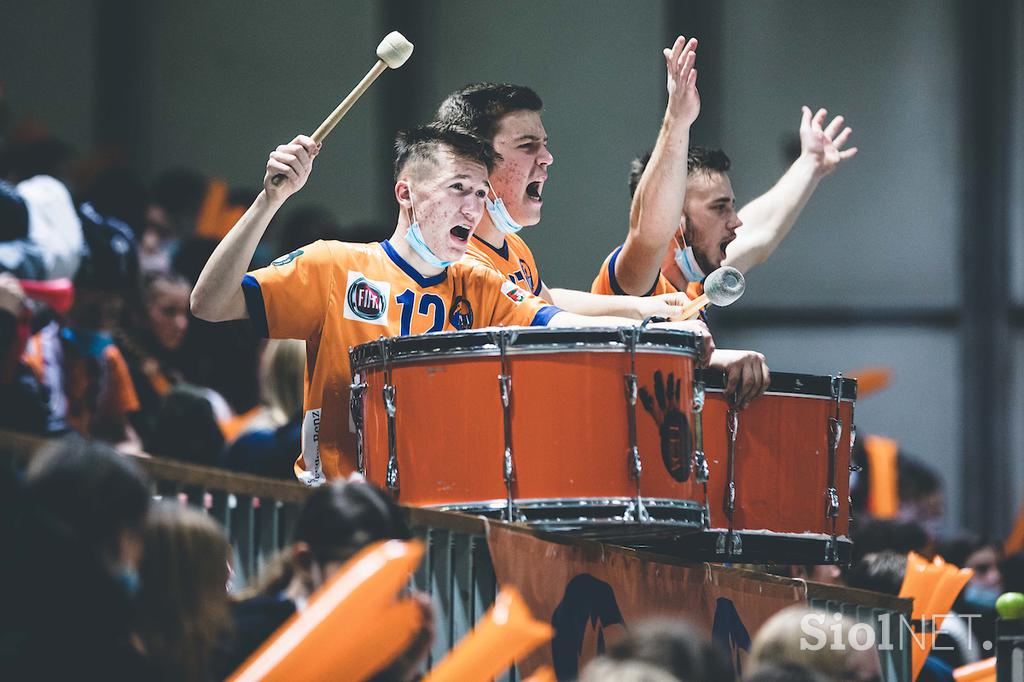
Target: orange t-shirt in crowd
point(335, 295)
point(513, 260)
point(97, 395)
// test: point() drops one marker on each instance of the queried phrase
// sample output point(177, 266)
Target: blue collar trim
point(410, 270)
point(503, 251)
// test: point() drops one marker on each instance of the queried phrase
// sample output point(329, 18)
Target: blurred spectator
point(921, 498)
point(978, 598)
point(879, 535)
point(119, 192)
point(171, 217)
point(183, 611)
point(271, 441)
point(152, 346)
point(779, 642)
point(18, 254)
point(955, 645)
point(672, 646)
point(336, 522)
point(70, 585)
point(26, 401)
point(879, 572)
point(222, 356)
point(187, 428)
point(78, 362)
point(784, 673)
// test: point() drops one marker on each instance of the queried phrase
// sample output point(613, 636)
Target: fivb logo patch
point(366, 300)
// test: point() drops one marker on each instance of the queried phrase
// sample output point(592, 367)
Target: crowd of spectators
point(96, 270)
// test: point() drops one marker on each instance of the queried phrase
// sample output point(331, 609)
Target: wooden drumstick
point(392, 52)
point(722, 287)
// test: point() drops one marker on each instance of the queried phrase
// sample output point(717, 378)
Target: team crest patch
point(285, 260)
point(513, 292)
point(462, 314)
point(527, 273)
point(366, 300)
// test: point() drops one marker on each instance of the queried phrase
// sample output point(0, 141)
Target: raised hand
point(673, 427)
point(681, 74)
point(295, 162)
point(824, 145)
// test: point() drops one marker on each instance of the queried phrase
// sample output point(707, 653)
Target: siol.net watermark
point(822, 630)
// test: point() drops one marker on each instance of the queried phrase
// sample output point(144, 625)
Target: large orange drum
point(589, 430)
point(779, 479)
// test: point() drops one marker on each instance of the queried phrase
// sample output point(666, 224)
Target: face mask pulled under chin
point(500, 216)
point(686, 260)
point(414, 238)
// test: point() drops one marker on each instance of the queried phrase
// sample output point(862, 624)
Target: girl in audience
point(183, 612)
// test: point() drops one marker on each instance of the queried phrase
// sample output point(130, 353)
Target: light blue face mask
point(687, 263)
point(499, 214)
point(414, 238)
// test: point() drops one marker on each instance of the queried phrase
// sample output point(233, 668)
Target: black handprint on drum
point(673, 427)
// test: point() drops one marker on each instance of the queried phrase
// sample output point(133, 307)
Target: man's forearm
point(217, 295)
point(768, 219)
point(586, 303)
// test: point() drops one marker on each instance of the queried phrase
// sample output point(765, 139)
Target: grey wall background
point(873, 273)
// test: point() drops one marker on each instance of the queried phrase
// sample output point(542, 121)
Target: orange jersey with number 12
point(335, 295)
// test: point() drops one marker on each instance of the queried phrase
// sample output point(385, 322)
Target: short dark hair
point(915, 481)
point(879, 572)
point(479, 106)
point(700, 159)
point(674, 646)
point(341, 518)
point(89, 491)
point(423, 143)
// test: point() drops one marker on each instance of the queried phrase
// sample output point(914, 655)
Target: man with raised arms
point(335, 295)
point(683, 221)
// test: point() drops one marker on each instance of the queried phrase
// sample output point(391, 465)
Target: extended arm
point(633, 307)
point(217, 296)
point(658, 203)
point(768, 218)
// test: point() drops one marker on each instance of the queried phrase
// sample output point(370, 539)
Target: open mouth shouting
point(534, 190)
point(460, 233)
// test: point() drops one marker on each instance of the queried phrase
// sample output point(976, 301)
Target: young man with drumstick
point(509, 116)
point(335, 295)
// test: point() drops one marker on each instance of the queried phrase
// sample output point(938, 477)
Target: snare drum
point(780, 472)
point(589, 430)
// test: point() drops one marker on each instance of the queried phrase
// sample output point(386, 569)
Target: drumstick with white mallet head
point(392, 52)
point(722, 287)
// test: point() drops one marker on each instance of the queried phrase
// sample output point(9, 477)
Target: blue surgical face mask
point(414, 238)
point(984, 597)
point(687, 263)
point(499, 214)
point(128, 580)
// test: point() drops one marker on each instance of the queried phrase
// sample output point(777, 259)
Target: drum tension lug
point(729, 544)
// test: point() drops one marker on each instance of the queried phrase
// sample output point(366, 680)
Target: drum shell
point(569, 426)
point(782, 463)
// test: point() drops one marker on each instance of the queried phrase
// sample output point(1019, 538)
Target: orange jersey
point(514, 260)
point(606, 284)
point(335, 295)
point(93, 396)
